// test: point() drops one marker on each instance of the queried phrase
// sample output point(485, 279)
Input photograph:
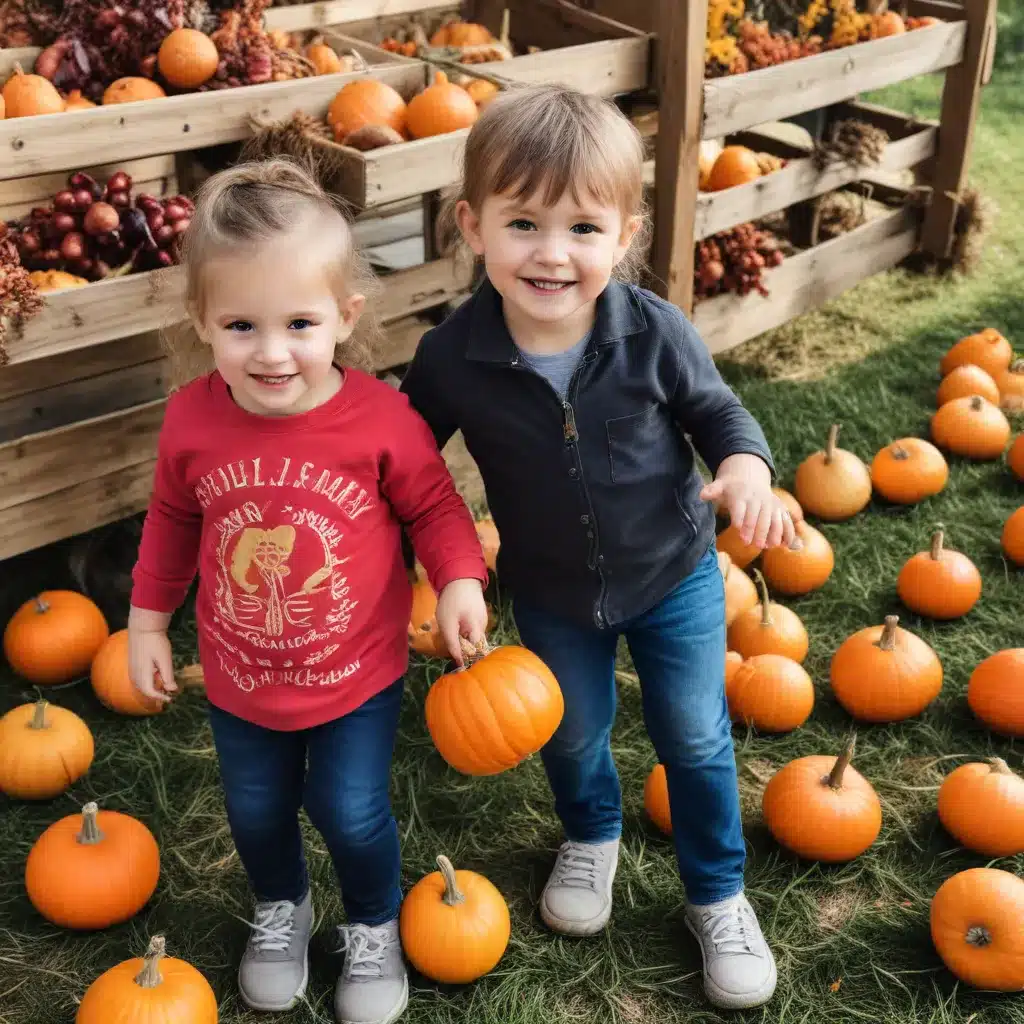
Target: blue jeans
point(344, 790)
point(678, 648)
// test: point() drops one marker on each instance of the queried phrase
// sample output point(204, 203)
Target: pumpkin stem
point(18, 69)
point(937, 539)
point(150, 976)
point(453, 895)
point(41, 606)
point(1017, 366)
point(999, 766)
point(830, 444)
point(899, 453)
point(503, 35)
point(977, 402)
point(90, 834)
point(766, 612)
point(978, 935)
point(887, 641)
point(39, 715)
point(835, 778)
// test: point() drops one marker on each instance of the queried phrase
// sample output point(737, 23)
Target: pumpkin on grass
point(732, 664)
point(939, 583)
point(455, 925)
point(1011, 387)
point(53, 637)
point(964, 381)
point(995, 691)
point(972, 427)
point(364, 102)
point(885, 674)
point(735, 165)
point(1012, 540)
point(43, 750)
point(112, 684)
point(771, 693)
point(739, 551)
point(822, 808)
point(656, 799)
point(977, 926)
point(1015, 458)
point(802, 566)
point(490, 542)
point(796, 512)
point(92, 870)
point(132, 90)
point(187, 58)
point(501, 708)
point(30, 95)
point(987, 349)
point(833, 484)
point(908, 471)
point(441, 108)
point(768, 628)
point(982, 807)
point(424, 634)
point(740, 592)
point(150, 989)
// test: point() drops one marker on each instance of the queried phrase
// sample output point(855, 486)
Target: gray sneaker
point(373, 987)
point(275, 967)
point(739, 969)
point(577, 899)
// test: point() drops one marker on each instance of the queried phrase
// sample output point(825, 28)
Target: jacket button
point(574, 472)
point(584, 520)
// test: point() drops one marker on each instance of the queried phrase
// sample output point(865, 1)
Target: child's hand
point(149, 655)
point(461, 611)
point(744, 486)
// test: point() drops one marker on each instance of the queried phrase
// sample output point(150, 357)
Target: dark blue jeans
point(678, 648)
point(340, 773)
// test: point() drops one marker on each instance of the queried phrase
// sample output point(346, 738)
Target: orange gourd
point(455, 925)
point(132, 90)
point(822, 808)
point(886, 23)
point(656, 799)
point(1013, 537)
point(1015, 458)
point(740, 592)
point(802, 566)
point(885, 674)
point(30, 95)
point(732, 664)
point(500, 709)
point(366, 102)
point(908, 471)
point(833, 484)
point(43, 750)
point(796, 512)
point(53, 637)
point(424, 636)
point(939, 583)
point(982, 807)
point(482, 92)
point(966, 380)
point(112, 684)
point(768, 628)
point(995, 691)
point(487, 533)
point(92, 870)
point(187, 58)
point(1011, 387)
point(772, 693)
point(76, 101)
point(987, 349)
point(441, 108)
point(976, 928)
point(148, 989)
point(731, 543)
point(972, 427)
point(461, 33)
point(324, 60)
point(735, 165)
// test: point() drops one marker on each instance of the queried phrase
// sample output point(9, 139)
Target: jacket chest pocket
point(642, 446)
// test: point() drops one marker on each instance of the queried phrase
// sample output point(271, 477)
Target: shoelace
point(364, 948)
point(273, 927)
point(578, 865)
point(731, 930)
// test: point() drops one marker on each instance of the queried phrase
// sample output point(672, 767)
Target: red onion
point(73, 246)
point(64, 222)
point(101, 218)
point(83, 199)
point(163, 233)
point(65, 200)
point(120, 200)
point(181, 226)
point(173, 210)
point(29, 242)
point(155, 219)
point(119, 181)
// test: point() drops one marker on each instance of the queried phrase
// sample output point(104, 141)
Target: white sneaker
point(275, 968)
point(577, 899)
point(374, 985)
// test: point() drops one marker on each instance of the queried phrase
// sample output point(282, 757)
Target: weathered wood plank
point(23, 55)
point(296, 17)
point(430, 284)
point(609, 67)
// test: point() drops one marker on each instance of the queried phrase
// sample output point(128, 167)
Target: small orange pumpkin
point(490, 542)
point(145, 989)
point(1013, 537)
point(76, 101)
point(1015, 458)
point(976, 928)
point(972, 427)
point(886, 23)
point(796, 512)
point(424, 636)
point(740, 592)
point(801, 567)
point(735, 165)
point(822, 808)
point(366, 101)
point(482, 92)
point(187, 58)
point(324, 60)
point(731, 543)
point(768, 628)
point(43, 750)
point(656, 799)
point(455, 925)
point(995, 691)
point(441, 108)
point(132, 90)
point(772, 693)
point(833, 484)
point(939, 583)
point(732, 664)
point(30, 95)
point(1011, 387)
point(112, 684)
point(987, 349)
point(966, 380)
point(982, 807)
point(885, 674)
point(462, 33)
point(908, 471)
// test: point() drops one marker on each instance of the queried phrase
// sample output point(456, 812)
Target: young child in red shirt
point(285, 480)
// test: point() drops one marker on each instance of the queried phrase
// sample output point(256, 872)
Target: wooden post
point(961, 95)
point(681, 31)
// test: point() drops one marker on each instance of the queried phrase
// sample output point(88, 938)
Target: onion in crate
point(100, 219)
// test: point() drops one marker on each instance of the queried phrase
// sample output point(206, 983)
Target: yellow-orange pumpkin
point(908, 471)
point(461, 33)
point(323, 58)
point(731, 543)
point(982, 807)
point(735, 165)
point(1015, 458)
point(112, 684)
point(482, 92)
point(656, 799)
point(939, 583)
point(972, 427)
point(441, 108)
point(1011, 387)
point(995, 691)
point(966, 380)
point(796, 512)
point(132, 90)
point(802, 566)
point(987, 349)
point(43, 750)
point(833, 484)
point(490, 542)
point(732, 664)
point(768, 628)
point(424, 636)
point(366, 102)
point(740, 592)
point(76, 101)
point(1013, 537)
point(772, 693)
point(30, 95)
point(187, 58)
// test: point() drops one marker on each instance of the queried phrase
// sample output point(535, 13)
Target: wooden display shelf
point(299, 17)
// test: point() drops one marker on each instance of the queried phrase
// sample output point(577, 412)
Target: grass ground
point(852, 942)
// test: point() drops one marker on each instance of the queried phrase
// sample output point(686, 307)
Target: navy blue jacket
point(595, 498)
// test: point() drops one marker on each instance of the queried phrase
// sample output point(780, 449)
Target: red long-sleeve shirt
point(294, 525)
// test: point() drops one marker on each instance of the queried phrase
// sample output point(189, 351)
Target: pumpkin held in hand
point(821, 808)
point(366, 101)
point(656, 799)
point(964, 381)
point(976, 927)
point(771, 693)
point(489, 716)
point(939, 583)
point(1012, 540)
point(972, 427)
point(53, 637)
point(43, 750)
point(832, 484)
point(93, 869)
point(768, 628)
point(112, 684)
point(455, 925)
point(1015, 458)
point(148, 989)
point(982, 807)
point(995, 691)
point(885, 674)
point(740, 592)
point(441, 108)
point(908, 471)
point(987, 349)
point(187, 58)
point(802, 566)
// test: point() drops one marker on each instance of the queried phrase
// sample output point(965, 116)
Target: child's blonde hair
point(253, 203)
point(548, 140)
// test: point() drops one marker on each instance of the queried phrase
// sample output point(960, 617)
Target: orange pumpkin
point(500, 709)
point(987, 349)
point(147, 989)
point(76, 101)
point(972, 427)
point(1011, 387)
point(441, 108)
point(885, 674)
point(740, 592)
point(939, 583)
point(30, 95)
point(112, 684)
point(772, 693)
point(796, 512)
point(3, 107)
point(833, 484)
point(1013, 537)
point(43, 750)
point(132, 90)
point(995, 691)
point(731, 543)
point(424, 636)
point(982, 807)
point(822, 808)
point(735, 165)
point(366, 102)
point(487, 533)
point(93, 869)
point(966, 380)
point(656, 799)
point(53, 637)
point(886, 23)
point(460, 34)
point(768, 628)
point(482, 92)
point(976, 926)
point(324, 60)
point(802, 566)
point(1015, 458)
point(455, 925)
point(908, 471)
point(187, 58)
point(732, 664)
